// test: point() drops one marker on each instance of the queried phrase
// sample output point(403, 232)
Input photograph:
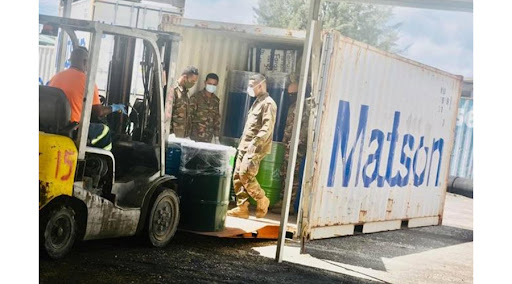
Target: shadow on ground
point(367, 250)
point(189, 258)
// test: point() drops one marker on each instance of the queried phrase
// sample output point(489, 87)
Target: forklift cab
point(90, 193)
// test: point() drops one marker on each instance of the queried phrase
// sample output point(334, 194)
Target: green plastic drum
point(205, 179)
point(269, 174)
point(205, 202)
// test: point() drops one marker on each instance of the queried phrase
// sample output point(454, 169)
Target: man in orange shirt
point(72, 82)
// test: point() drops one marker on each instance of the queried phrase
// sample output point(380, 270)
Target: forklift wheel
point(163, 218)
point(60, 230)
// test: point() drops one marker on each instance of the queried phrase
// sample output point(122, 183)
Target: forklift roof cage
point(97, 31)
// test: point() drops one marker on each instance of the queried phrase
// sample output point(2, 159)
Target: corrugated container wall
point(385, 131)
point(46, 63)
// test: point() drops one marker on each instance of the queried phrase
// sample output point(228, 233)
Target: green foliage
point(362, 22)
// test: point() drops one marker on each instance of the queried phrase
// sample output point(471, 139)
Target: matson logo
point(409, 151)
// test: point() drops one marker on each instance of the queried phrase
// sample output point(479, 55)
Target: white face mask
point(250, 92)
point(211, 88)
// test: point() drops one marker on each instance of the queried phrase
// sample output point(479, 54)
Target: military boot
point(241, 211)
point(262, 207)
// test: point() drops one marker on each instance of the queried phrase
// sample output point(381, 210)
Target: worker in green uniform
point(180, 122)
point(293, 87)
point(204, 112)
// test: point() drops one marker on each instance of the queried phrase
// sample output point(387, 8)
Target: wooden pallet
point(264, 228)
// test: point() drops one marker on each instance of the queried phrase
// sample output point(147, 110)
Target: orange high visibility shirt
point(72, 82)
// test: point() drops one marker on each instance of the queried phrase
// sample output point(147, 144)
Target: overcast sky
point(437, 38)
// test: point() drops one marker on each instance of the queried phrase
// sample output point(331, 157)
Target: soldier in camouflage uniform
point(301, 150)
point(255, 144)
point(204, 112)
point(180, 122)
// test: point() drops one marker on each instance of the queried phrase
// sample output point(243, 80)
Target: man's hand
point(119, 107)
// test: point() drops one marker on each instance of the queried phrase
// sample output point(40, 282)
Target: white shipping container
point(381, 158)
point(382, 142)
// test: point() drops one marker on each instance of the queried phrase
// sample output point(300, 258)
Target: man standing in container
point(255, 144)
point(180, 122)
point(293, 89)
point(204, 112)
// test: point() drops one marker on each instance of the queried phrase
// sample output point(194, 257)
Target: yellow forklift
point(89, 193)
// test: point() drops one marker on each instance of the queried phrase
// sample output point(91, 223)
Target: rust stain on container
point(362, 215)
point(389, 208)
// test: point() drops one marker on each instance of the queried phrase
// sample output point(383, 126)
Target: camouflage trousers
point(179, 131)
point(199, 134)
point(301, 153)
point(244, 179)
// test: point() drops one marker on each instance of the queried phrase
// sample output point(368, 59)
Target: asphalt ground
point(435, 254)
point(189, 258)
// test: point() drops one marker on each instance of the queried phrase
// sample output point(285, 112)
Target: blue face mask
point(211, 88)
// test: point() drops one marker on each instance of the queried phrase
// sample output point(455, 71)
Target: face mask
point(211, 88)
point(250, 92)
point(189, 85)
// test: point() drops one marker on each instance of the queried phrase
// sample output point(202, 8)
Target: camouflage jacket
point(259, 126)
point(204, 117)
point(180, 122)
point(303, 137)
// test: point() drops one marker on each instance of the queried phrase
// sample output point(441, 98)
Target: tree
point(362, 22)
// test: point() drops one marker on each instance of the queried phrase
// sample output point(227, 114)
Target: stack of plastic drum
point(205, 179)
point(276, 87)
point(238, 103)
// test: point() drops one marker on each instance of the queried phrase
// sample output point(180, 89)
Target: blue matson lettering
point(348, 155)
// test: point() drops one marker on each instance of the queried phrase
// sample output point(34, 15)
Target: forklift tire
point(59, 231)
point(163, 218)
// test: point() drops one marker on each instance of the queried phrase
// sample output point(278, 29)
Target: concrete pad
point(436, 254)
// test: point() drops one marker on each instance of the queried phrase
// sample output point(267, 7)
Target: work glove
point(119, 107)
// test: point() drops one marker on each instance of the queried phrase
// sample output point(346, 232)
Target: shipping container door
point(383, 136)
